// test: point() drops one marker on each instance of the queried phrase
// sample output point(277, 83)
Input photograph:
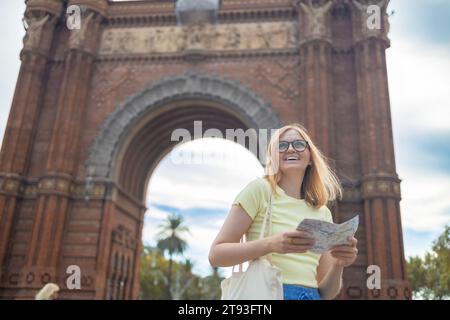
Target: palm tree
point(170, 240)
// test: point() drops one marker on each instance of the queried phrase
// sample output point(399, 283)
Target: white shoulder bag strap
point(267, 216)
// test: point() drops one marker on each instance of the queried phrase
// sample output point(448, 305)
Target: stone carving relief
point(34, 31)
point(316, 19)
point(248, 36)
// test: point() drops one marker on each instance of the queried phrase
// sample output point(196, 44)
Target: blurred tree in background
point(170, 239)
point(430, 276)
point(185, 285)
point(163, 278)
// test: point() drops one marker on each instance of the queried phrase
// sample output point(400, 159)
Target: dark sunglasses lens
point(283, 146)
point(299, 145)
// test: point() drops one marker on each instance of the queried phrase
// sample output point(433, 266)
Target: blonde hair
point(320, 184)
point(46, 293)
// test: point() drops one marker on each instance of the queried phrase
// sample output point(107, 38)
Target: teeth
point(292, 158)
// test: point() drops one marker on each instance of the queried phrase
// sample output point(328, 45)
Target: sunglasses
point(298, 145)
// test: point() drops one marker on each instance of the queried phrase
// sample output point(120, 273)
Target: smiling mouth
point(291, 158)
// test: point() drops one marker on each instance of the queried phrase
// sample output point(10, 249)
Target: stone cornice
point(54, 7)
point(53, 184)
point(100, 6)
point(380, 185)
point(161, 13)
point(203, 56)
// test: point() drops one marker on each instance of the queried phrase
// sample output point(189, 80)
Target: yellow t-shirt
point(287, 213)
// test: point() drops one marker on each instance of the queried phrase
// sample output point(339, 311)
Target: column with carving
point(316, 70)
point(380, 183)
point(53, 190)
point(40, 19)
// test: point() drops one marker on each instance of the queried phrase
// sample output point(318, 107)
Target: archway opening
point(195, 185)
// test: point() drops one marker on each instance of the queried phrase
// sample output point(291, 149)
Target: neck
point(292, 183)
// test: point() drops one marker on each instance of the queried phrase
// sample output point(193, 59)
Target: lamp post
point(177, 289)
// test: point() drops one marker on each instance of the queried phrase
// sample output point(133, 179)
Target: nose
point(290, 148)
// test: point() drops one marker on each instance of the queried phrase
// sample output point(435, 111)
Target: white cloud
point(155, 213)
point(419, 77)
point(426, 201)
point(208, 186)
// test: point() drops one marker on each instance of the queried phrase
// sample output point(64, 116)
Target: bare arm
point(329, 277)
point(226, 250)
point(331, 267)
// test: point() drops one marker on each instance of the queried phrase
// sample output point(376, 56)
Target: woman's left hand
point(345, 255)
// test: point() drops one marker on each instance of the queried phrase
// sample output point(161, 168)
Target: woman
point(302, 184)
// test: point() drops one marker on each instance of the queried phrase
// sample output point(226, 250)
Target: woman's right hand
point(291, 242)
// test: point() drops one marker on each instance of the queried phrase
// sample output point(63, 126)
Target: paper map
point(328, 235)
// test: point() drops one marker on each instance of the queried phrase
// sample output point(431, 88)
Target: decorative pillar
point(316, 68)
point(40, 19)
point(54, 186)
point(380, 184)
point(315, 49)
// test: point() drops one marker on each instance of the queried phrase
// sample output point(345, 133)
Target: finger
point(299, 234)
point(343, 256)
point(347, 255)
point(342, 247)
point(352, 241)
point(345, 250)
point(302, 241)
point(352, 254)
point(299, 248)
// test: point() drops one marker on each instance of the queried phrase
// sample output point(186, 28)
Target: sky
point(419, 82)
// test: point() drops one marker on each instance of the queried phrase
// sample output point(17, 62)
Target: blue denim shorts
point(296, 292)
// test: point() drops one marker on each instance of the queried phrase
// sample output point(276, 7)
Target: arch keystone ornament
point(94, 110)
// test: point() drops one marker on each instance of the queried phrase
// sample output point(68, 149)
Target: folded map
point(328, 235)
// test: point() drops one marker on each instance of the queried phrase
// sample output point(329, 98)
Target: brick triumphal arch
point(94, 109)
